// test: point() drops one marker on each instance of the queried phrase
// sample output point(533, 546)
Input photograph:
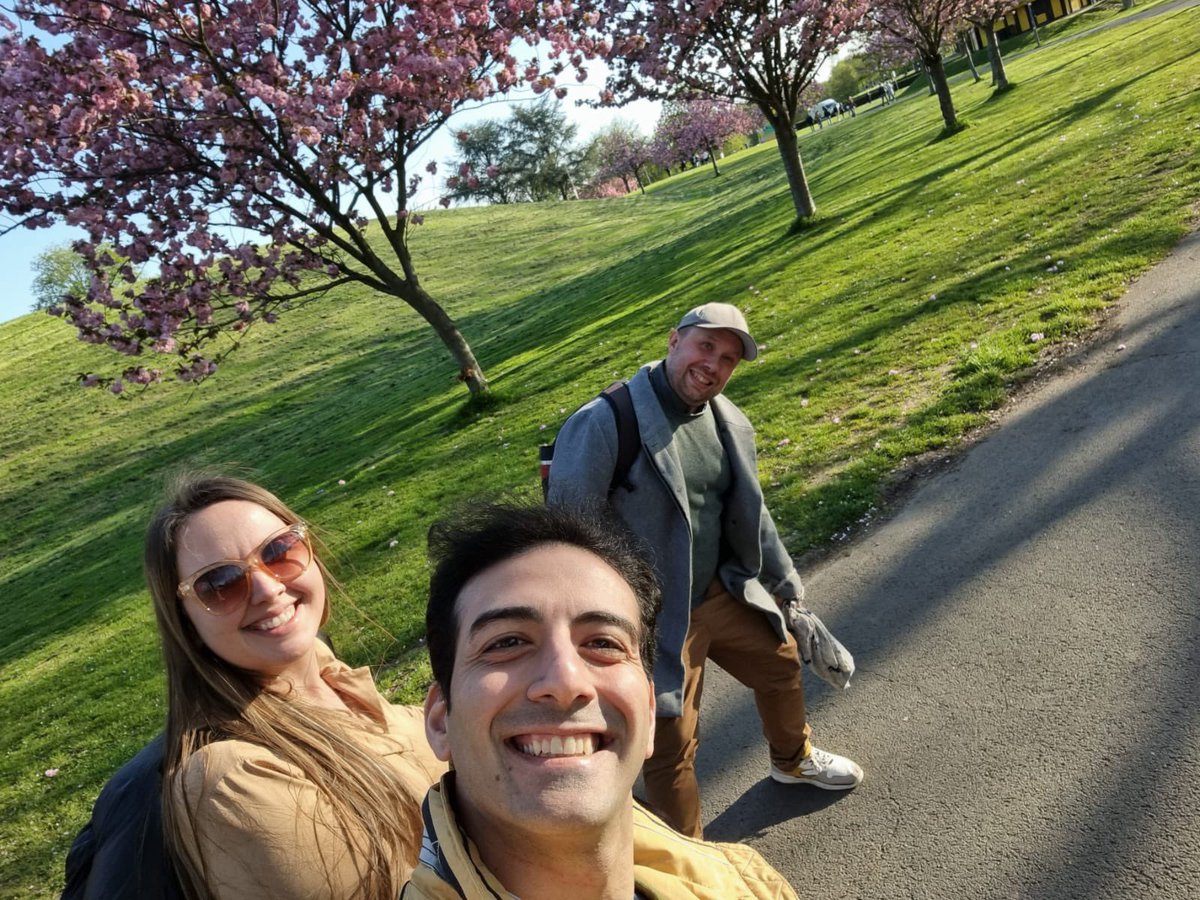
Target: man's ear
point(673, 339)
point(653, 720)
point(436, 714)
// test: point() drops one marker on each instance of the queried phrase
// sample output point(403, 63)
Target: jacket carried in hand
point(667, 865)
point(653, 502)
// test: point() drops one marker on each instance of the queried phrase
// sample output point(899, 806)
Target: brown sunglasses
point(224, 586)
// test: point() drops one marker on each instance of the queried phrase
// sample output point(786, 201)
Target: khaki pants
point(743, 642)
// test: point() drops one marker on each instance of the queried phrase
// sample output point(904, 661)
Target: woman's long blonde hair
point(208, 700)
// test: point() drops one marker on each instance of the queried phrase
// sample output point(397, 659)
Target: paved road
point(1027, 628)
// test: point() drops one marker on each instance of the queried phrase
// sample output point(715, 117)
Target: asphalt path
point(1027, 632)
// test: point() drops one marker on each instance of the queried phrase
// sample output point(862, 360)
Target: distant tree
point(59, 272)
point(544, 157)
point(622, 152)
point(845, 79)
point(964, 41)
point(531, 156)
point(483, 167)
point(172, 130)
point(750, 50)
point(697, 128)
point(924, 27)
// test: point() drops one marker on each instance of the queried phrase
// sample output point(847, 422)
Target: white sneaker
point(824, 770)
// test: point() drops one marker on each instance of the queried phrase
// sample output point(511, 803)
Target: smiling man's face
point(551, 713)
point(699, 362)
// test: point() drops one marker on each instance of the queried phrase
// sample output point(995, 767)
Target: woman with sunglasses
point(286, 773)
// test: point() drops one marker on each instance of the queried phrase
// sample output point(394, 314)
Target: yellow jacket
point(265, 830)
point(667, 865)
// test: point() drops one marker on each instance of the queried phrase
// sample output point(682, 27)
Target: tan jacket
point(265, 830)
point(667, 865)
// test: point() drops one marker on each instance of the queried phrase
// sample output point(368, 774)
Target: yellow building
point(1017, 22)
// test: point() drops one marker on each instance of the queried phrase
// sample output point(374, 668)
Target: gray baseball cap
point(722, 315)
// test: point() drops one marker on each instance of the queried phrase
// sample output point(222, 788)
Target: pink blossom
point(267, 107)
point(50, 773)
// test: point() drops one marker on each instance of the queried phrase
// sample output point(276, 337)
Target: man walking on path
point(692, 493)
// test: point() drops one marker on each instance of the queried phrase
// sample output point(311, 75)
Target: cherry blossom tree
point(622, 152)
point(984, 14)
point(258, 151)
point(763, 52)
point(697, 128)
point(923, 27)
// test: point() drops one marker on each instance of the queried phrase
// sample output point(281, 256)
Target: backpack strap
point(628, 437)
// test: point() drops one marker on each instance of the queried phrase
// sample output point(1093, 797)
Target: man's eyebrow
point(530, 614)
point(520, 613)
point(600, 617)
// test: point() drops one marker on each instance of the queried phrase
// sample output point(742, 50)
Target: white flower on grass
point(784, 443)
point(393, 544)
point(1035, 337)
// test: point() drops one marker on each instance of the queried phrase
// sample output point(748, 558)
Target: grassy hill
point(892, 325)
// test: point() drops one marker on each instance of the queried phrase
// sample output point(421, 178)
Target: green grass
point(892, 325)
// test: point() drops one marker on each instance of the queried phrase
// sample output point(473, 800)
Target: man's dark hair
point(476, 539)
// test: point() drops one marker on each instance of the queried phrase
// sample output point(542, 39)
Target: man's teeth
point(267, 624)
point(572, 745)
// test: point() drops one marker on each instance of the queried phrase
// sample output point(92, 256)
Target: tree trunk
point(789, 150)
point(712, 155)
point(637, 173)
point(625, 181)
point(999, 76)
point(970, 58)
point(469, 371)
point(937, 77)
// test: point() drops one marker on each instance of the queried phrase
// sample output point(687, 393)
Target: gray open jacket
point(654, 502)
